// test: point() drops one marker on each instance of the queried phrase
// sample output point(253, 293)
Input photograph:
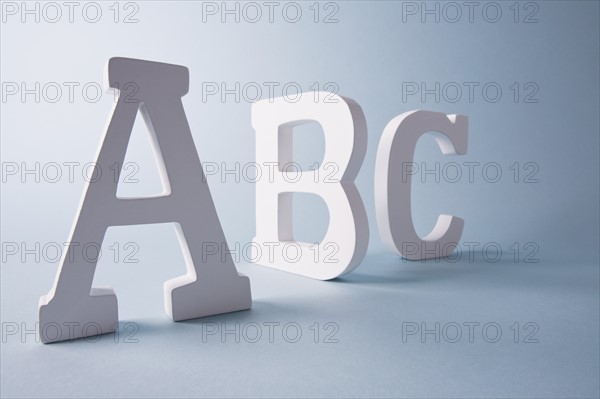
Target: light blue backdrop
point(372, 54)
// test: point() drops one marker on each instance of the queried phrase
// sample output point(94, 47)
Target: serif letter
point(392, 194)
point(345, 130)
point(73, 308)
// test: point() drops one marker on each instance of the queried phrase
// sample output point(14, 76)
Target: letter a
point(72, 308)
point(347, 236)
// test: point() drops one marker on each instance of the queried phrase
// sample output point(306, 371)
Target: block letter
point(392, 193)
point(347, 236)
point(208, 288)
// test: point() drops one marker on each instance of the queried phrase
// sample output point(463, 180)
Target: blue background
point(368, 54)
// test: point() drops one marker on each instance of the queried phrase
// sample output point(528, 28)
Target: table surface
point(363, 345)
